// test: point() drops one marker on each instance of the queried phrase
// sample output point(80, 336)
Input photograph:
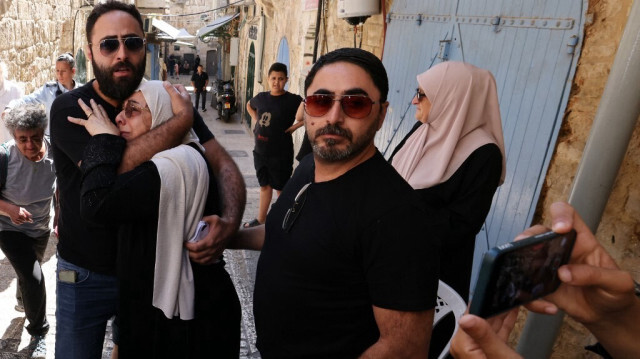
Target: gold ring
point(89, 115)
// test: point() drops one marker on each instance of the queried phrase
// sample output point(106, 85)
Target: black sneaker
point(204, 110)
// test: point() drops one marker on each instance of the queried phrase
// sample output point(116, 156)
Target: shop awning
point(183, 34)
point(183, 43)
point(171, 32)
point(206, 30)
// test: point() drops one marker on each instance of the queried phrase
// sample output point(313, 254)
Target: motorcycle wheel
point(227, 116)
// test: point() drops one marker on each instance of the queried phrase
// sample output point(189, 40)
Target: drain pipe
point(317, 35)
point(604, 152)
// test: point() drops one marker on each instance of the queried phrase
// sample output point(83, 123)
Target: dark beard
point(329, 153)
point(123, 87)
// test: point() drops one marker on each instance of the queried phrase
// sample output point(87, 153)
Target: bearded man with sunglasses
point(346, 269)
point(86, 282)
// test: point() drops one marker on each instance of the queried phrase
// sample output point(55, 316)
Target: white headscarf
point(184, 184)
point(464, 116)
point(159, 103)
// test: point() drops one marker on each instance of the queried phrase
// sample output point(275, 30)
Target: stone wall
point(619, 230)
point(32, 35)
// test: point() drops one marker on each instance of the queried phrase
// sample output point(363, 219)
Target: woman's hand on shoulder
point(97, 121)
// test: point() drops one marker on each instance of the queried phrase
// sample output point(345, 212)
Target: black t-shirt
point(199, 80)
point(461, 204)
point(359, 240)
point(275, 115)
point(82, 243)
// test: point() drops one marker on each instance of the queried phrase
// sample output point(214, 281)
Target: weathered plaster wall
point(619, 230)
point(622, 215)
point(341, 34)
point(32, 35)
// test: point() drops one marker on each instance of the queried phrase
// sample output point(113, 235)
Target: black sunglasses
point(419, 94)
point(109, 46)
point(355, 106)
point(294, 211)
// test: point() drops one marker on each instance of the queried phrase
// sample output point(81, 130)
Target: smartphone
point(201, 231)
point(518, 272)
point(68, 276)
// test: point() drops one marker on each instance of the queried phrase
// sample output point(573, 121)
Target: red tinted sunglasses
point(355, 106)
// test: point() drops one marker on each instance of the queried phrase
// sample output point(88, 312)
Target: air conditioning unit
point(357, 11)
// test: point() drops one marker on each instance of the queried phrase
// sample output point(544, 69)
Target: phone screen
point(519, 272)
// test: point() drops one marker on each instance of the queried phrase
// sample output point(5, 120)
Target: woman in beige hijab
point(169, 307)
point(454, 158)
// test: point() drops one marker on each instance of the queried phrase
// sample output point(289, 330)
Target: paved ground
point(237, 139)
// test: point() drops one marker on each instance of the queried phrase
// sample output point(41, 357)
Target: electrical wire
point(355, 33)
point(384, 27)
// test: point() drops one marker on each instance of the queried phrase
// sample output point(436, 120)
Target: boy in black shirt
point(272, 112)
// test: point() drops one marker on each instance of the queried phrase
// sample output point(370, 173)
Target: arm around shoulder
point(165, 136)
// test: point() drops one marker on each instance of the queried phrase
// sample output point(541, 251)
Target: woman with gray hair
point(27, 181)
point(169, 306)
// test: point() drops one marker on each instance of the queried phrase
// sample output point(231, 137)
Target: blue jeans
point(83, 308)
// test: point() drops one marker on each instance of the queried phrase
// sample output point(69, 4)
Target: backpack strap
point(4, 164)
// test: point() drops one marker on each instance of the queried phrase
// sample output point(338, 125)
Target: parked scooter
point(225, 99)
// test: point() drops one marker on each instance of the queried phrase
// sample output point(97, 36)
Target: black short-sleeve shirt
point(359, 240)
point(275, 115)
point(199, 80)
point(88, 245)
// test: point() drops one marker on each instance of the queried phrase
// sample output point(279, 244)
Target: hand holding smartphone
point(201, 231)
point(518, 272)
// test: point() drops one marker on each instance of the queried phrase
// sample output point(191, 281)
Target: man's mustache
point(334, 130)
point(123, 65)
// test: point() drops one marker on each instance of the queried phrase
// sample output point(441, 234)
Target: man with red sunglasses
point(86, 282)
point(348, 266)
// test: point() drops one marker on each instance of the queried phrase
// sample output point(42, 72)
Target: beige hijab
point(184, 187)
point(464, 116)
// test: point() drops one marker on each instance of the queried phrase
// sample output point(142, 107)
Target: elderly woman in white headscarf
point(169, 307)
point(454, 158)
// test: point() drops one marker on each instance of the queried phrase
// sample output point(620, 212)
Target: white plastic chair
point(448, 301)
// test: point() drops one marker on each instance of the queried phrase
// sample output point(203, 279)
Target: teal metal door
point(251, 68)
point(530, 46)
